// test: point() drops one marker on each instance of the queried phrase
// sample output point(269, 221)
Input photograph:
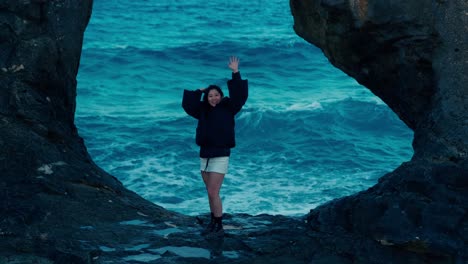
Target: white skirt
point(218, 164)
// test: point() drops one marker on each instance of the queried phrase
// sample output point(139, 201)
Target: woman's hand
point(234, 64)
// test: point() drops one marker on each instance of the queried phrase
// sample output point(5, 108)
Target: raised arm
point(238, 88)
point(191, 102)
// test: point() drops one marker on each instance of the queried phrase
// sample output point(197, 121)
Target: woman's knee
point(212, 192)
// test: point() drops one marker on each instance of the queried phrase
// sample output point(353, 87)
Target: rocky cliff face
point(49, 185)
point(413, 55)
point(57, 206)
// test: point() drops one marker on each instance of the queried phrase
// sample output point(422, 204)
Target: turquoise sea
point(308, 133)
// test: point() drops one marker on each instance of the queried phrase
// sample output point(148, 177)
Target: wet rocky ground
point(245, 238)
point(248, 239)
point(143, 240)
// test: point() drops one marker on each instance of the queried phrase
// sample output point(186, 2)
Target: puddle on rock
point(136, 222)
point(142, 257)
point(87, 227)
point(231, 254)
point(137, 248)
point(167, 231)
point(185, 252)
point(106, 249)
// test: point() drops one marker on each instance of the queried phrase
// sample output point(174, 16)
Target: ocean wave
point(251, 47)
point(365, 116)
point(301, 152)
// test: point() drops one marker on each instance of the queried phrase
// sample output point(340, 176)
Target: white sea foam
point(304, 106)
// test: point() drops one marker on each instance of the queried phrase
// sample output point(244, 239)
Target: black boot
point(210, 227)
point(218, 230)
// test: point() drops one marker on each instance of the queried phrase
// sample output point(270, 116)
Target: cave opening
point(308, 133)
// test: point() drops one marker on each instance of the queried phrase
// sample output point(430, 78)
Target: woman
point(215, 136)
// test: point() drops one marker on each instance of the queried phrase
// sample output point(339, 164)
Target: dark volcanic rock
point(49, 186)
point(57, 206)
point(413, 55)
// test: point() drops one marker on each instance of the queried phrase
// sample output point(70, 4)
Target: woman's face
point(214, 97)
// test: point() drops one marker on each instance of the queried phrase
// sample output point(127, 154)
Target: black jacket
point(215, 130)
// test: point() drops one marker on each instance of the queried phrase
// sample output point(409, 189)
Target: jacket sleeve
point(238, 92)
point(191, 103)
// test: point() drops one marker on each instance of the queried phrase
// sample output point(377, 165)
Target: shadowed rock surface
point(49, 186)
point(413, 55)
point(57, 206)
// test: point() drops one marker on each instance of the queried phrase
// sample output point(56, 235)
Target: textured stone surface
point(57, 206)
point(413, 55)
point(49, 186)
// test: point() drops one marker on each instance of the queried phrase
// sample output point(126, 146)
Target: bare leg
point(205, 180)
point(213, 181)
point(204, 175)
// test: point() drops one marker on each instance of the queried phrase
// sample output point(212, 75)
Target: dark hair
point(208, 89)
